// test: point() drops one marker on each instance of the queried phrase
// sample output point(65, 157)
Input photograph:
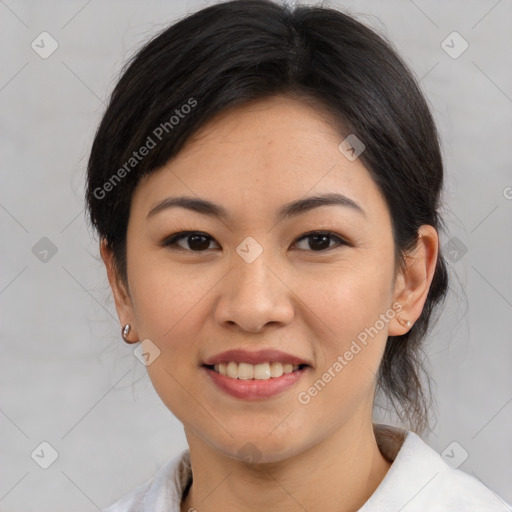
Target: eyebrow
point(288, 210)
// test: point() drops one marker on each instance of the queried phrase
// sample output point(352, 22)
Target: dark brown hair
point(234, 52)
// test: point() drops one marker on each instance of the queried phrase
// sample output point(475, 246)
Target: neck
point(343, 470)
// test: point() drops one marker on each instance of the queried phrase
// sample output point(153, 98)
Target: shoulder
point(420, 480)
point(162, 492)
point(463, 490)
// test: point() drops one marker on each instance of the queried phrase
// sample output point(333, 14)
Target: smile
point(255, 382)
point(261, 371)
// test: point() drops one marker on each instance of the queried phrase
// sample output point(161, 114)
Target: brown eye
point(320, 241)
point(197, 241)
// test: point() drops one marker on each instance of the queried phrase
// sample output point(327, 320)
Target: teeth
point(262, 371)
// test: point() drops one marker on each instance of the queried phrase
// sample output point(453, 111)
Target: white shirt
point(419, 480)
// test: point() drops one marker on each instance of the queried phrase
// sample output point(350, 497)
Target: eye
point(197, 241)
point(320, 240)
point(200, 242)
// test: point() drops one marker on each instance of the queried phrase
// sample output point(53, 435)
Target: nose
point(254, 295)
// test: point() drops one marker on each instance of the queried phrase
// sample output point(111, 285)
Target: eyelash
point(173, 239)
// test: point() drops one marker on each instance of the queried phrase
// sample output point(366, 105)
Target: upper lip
point(255, 357)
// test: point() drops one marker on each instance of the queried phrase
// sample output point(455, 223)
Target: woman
point(266, 184)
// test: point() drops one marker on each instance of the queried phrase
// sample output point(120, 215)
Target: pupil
point(325, 239)
point(198, 246)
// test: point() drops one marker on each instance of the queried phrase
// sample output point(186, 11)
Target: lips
point(255, 357)
point(255, 389)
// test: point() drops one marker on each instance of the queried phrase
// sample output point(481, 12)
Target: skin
point(295, 297)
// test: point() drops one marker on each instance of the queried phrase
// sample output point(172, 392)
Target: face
point(255, 280)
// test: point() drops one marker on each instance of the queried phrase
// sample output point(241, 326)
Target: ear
point(121, 295)
point(413, 284)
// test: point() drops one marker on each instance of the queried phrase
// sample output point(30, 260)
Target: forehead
point(259, 156)
point(265, 130)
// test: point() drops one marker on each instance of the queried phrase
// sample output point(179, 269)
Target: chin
point(261, 450)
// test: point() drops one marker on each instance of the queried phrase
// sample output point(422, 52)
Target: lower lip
point(255, 389)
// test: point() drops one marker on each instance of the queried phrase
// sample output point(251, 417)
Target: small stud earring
point(406, 322)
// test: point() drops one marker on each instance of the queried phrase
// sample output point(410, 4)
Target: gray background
point(66, 376)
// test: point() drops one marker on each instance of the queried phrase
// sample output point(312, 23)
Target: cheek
point(348, 303)
point(168, 297)
point(170, 307)
point(348, 344)
point(349, 296)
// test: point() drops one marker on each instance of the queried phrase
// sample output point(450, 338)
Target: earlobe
point(404, 322)
point(413, 284)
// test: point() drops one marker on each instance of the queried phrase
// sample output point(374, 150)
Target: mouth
point(260, 381)
point(261, 371)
